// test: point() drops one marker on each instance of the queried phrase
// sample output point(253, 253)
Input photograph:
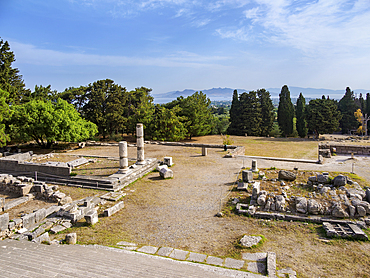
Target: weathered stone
point(112, 210)
point(255, 190)
point(361, 210)
point(249, 241)
point(257, 267)
point(92, 217)
point(166, 173)
point(280, 203)
point(179, 254)
point(301, 204)
point(195, 257)
point(352, 210)
point(56, 229)
point(29, 220)
point(232, 263)
point(254, 166)
point(339, 212)
point(268, 203)
point(164, 251)
point(261, 200)
point(247, 176)
point(313, 207)
point(65, 200)
point(168, 161)
point(340, 180)
point(4, 221)
point(359, 193)
point(148, 249)
point(71, 238)
point(323, 178)
point(368, 195)
point(214, 261)
point(40, 215)
point(254, 256)
point(42, 238)
point(271, 264)
point(242, 185)
point(286, 175)
point(357, 202)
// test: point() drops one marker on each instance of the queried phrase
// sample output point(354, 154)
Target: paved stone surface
point(195, 257)
point(148, 249)
point(257, 267)
point(214, 261)
point(71, 261)
point(164, 251)
point(179, 254)
point(254, 256)
point(232, 263)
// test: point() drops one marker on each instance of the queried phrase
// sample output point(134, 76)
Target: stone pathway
point(259, 263)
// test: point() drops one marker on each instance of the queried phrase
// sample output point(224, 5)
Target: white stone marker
point(123, 160)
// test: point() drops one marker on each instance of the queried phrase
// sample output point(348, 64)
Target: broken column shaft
point(140, 144)
point(123, 160)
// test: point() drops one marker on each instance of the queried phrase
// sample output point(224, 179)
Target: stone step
point(27, 259)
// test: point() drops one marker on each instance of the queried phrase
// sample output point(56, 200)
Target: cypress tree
point(250, 114)
point(235, 123)
point(267, 111)
point(285, 111)
point(347, 107)
point(301, 123)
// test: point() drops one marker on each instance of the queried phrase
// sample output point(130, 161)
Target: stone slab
point(57, 229)
point(126, 243)
point(113, 196)
point(4, 221)
point(195, 257)
point(179, 254)
point(254, 256)
point(257, 267)
point(164, 251)
point(232, 263)
point(148, 249)
point(112, 210)
point(271, 264)
point(214, 261)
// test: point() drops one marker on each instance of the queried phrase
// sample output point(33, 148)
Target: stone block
point(340, 180)
point(214, 261)
point(24, 189)
point(71, 238)
point(247, 176)
point(257, 267)
point(254, 256)
point(179, 254)
point(271, 264)
point(168, 161)
point(249, 241)
point(242, 185)
point(15, 202)
point(286, 175)
point(38, 188)
point(51, 210)
point(232, 263)
point(164, 251)
point(29, 220)
point(56, 229)
point(112, 210)
point(204, 151)
point(92, 217)
point(148, 249)
point(4, 221)
point(195, 257)
point(40, 215)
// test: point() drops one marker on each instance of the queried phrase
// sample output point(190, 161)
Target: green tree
point(322, 116)
point(301, 123)
point(46, 122)
point(267, 111)
point(250, 114)
point(5, 114)
point(75, 96)
point(166, 125)
point(285, 111)
point(234, 127)
point(10, 79)
point(347, 107)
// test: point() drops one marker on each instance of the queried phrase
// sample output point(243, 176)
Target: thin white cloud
point(29, 54)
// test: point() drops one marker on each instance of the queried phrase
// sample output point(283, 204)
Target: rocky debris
point(247, 176)
point(286, 175)
point(112, 210)
point(301, 204)
point(71, 238)
point(249, 241)
point(242, 185)
point(313, 207)
point(321, 178)
point(338, 211)
point(344, 231)
point(261, 200)
point(340, 180)
point(280, 203)
point(255, 193)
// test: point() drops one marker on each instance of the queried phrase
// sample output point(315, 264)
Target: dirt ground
point(180, 213)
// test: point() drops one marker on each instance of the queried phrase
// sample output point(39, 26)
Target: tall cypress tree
point(250, 114)
point(285, 111)
point(301, 123)
point(347, 107)
point(267, 111)
point(235, 123)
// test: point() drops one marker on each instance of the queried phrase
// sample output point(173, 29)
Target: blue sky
point(172, 45)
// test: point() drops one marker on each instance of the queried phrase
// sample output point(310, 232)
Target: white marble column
point(123, 154)
point(140, 144)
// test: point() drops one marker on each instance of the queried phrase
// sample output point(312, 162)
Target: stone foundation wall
point(346, 149)
point(14, 166)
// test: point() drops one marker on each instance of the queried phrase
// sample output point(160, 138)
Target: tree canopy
point(46, 122)
point(301, 123)
point(348, 107)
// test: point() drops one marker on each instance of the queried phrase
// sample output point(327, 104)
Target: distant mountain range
point(227, 93)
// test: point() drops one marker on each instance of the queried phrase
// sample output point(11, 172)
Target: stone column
point(140, 144)
point(204, 151)
point(123, 160)
point(254, 166)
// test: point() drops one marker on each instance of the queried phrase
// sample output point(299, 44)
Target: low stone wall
point(346, 149)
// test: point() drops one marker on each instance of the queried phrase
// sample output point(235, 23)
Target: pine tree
point(234, 127)
point(267, 111)
point(301, 123)
point(285, 111)
point(10, 79)
point(348, 107)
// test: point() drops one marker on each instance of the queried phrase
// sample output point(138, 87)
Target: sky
point(170, 45)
